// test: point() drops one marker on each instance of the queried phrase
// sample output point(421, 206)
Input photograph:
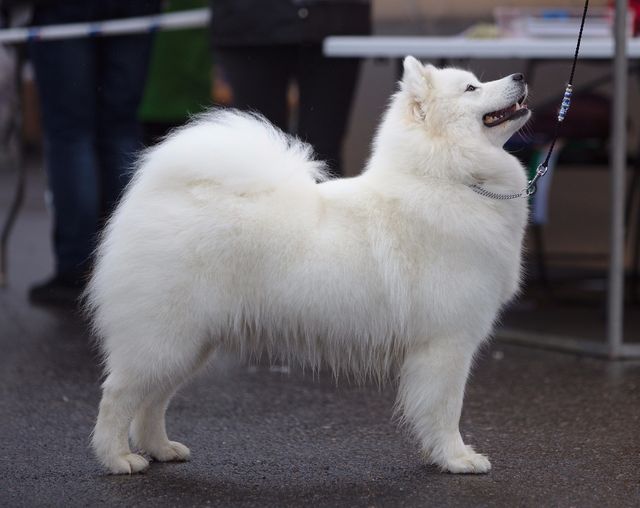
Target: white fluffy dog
point(224, 240)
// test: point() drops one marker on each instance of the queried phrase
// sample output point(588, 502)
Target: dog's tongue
point(495, 116)
point(498, 116)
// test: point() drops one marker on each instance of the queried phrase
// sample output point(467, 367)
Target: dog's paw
point(470, 462)
point(172, 451)
point(127, 464)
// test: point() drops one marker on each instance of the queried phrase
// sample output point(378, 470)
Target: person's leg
point(65, 75)
point(326, 90)
point(122, 74)
point(259, 78)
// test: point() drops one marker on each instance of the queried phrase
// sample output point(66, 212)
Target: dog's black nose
point(518, 77)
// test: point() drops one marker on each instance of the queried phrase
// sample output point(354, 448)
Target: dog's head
point(453, 103)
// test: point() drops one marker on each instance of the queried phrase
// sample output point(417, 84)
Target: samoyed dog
point(225, 240)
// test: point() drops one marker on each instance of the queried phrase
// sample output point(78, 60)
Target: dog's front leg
point(430, 396)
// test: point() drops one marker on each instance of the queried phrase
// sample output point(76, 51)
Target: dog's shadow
point(178, 483)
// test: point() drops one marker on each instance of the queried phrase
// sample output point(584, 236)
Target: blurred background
point(250, 57)
point(78, 103)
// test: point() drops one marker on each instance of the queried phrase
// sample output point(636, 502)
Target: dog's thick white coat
point(224, 240)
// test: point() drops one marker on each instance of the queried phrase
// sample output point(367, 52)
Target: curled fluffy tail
point(242, 152)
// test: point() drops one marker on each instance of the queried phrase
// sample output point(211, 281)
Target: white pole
point(615, 314)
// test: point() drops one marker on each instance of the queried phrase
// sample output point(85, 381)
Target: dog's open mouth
point(510, 113)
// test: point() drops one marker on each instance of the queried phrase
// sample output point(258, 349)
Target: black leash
point(531, 188)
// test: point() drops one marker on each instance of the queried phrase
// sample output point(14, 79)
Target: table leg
point(615, 296)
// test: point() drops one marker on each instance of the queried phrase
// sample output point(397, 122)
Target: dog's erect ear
point(416, 78)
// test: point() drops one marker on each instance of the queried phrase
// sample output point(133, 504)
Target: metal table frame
point(619, 48)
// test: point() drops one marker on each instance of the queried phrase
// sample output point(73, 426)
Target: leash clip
point(532, 186)
point(541, 171)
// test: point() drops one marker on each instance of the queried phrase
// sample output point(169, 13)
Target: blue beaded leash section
point(562, 113)
point(566, 102)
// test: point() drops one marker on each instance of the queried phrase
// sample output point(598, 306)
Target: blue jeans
point(89, 90)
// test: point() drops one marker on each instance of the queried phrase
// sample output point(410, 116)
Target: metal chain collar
point(529, 190)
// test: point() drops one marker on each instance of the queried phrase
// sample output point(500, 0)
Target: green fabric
point(179, 78)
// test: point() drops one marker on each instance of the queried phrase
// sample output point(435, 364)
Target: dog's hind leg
point(139, 371)
point(122, 393)
point(430, 396)
point(148, 429)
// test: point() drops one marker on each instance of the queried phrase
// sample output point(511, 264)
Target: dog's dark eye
point(471, 88)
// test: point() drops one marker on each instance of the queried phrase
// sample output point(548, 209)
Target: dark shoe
point(58, 291)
